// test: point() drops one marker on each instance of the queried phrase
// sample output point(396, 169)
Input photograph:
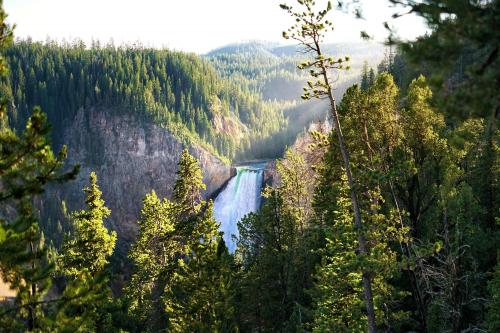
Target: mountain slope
point(270, 70)
point(178, 91)
point(130, 158)
point(127, 113)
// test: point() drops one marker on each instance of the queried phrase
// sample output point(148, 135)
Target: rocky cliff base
point(131, 158)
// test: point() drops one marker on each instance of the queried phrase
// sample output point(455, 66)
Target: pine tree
point(188, 185)
point(182, 276)
point(90, 244)
point(423, 148)
point(371, 77)
point(83, 262)
point(309, 31)
point(266, 245)
point(198, 298)
point(420, 153)
point(275, 247)
point(338, 288)
point(458, 203)
point(463, 62)
point(154, 256)
point(27, 164)
point(372, 134)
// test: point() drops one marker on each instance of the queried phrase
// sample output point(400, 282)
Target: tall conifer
point(90, 244)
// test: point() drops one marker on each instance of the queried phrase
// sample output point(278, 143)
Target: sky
point(187, 25)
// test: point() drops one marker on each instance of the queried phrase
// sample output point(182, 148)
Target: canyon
point(130, 157)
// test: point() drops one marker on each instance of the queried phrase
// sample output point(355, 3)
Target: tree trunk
point(367, 285)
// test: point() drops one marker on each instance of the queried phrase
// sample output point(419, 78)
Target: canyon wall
point(131, 157)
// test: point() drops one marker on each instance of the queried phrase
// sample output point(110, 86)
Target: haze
point(189, 25)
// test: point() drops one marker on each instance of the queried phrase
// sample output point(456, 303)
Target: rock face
point(131, 158)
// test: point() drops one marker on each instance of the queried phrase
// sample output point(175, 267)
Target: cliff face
point(131, 158)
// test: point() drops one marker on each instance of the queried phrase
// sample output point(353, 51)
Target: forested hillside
point(178, 91)
point(270, 70)
point(240, 102)
point(382, 218)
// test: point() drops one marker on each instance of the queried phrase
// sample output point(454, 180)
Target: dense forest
point(270, 70)
point(179, 91)
point(238, 102)
point(388, 222)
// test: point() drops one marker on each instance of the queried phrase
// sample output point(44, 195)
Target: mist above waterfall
point(241, 196)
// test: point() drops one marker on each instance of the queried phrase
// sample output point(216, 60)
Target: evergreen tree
point(463, 62)
point(372, 137)
point(83, 261)
point(421, 153)
point(275, 246)
point(365, 83)
point(198, 297)
point(182, 278)
point(371, 77)
point(162, 86)
point(189, 184)
point(154, 258)
point(309, 31)
point(464, 68)
point(89, 245)
point(338, 288)
point(27, 165)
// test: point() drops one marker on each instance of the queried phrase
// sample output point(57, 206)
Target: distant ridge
point(275, 49)
point(246, 47)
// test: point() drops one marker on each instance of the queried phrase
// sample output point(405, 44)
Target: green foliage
point(198, 297)
point(372, 134)
point(259, 68)
point(189, 184)
point(493, 316)
point(153, 254)
point(425, 169)
point(461, 53)
point(274, 249)
point(27, 165)
point(421, 152)
point(182, 277)
point(271, 71)
point(338, 294)
point(89, 245)
point(173, 89)
point(83, 262)
point(366, 80)
point(310, 30)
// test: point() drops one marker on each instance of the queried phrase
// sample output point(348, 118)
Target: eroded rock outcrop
point(131, 158)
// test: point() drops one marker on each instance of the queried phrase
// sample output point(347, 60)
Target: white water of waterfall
point(240, 197)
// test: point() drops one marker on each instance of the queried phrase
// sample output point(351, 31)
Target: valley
point(235, 104)
point(341, 179)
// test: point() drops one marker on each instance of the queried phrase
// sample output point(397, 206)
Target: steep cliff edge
point(131, 158)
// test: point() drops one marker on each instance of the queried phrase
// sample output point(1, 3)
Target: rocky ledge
point(131, 158)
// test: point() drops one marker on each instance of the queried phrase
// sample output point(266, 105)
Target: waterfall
point(240, 197)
